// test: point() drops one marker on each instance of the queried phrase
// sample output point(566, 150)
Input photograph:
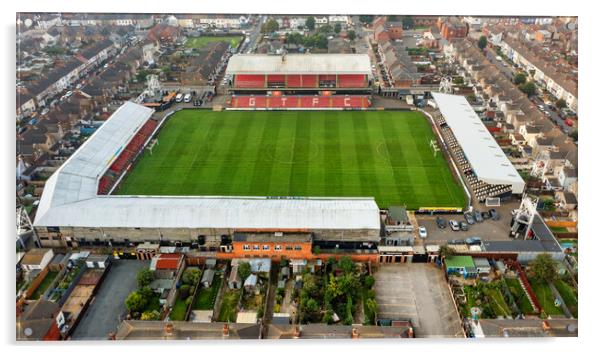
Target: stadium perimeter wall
point(213, 236)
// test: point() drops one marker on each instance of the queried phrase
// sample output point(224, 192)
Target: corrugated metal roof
point(487, 159)
point(299, 64)
point(70, 199)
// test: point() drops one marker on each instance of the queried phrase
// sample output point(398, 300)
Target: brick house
point(290, 245)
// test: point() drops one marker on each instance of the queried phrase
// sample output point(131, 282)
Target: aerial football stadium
point(298, 148)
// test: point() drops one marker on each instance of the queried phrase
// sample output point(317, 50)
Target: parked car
point(441, 223)
point(187, 98)
point(494, 214)
point(486, 215)
point(453, 224)
point(179, 97)
point(469, 218)
point(463, 226)
point(478, 216)
point(473, 240)
point(456, 242)
point(422, 232)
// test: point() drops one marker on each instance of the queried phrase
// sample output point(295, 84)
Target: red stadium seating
point(249, 81)
point(352, 81)
point(309, 81)
point(126, 156)
point(293, 81)
point(275, 78)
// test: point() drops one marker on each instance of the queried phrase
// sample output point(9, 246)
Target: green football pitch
point(383, 154)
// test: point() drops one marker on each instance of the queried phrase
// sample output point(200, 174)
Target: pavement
point(488, 230)
point(107, 308)
point(418, 292)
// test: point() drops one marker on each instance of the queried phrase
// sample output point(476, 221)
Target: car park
point(473, 240)
point(422, 232)
point(469, 218)
point(463, 226)
point(453, 224)
point(441, 223)
point(494, 214)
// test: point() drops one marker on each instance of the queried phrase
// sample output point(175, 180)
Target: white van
point(179, 97)
point(187, 98)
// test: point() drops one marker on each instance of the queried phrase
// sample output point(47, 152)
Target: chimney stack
point(226, 330)
point(354, 333)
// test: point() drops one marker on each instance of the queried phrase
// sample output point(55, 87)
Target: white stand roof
point(488, 161)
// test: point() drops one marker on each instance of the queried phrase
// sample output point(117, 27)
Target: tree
point(528, 88)
point(348, 284)
point(560, 104)
point(191, 276)
point(244, 270)
point(337, 28)
point(150, 316)
point(135, 302)
point(310, 23)
point(366, 19)
point(407, 22)
point(184, 291)
point(294, 38)
point(333, 287)
point(446, 251)
point(346, 264)
point(325, 29)
point(372, 307)
point(321, 41)
point(544, 268)
point(369, 281)
point(351, 35)
point(270, 26)
point(145, 277)
point(312, 306)
point(520, 78)
point(482, 42)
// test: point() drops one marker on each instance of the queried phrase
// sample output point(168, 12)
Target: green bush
point(369, 281)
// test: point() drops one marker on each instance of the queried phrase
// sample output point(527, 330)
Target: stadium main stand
point(299, 101)
point(300, 72)
point(126, 156)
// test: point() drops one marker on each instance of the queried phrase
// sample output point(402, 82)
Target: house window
point(289, 248)
point(255, 247)
point(246, 247)
point(297, 248)
point(278, 248)
point(266, 247)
